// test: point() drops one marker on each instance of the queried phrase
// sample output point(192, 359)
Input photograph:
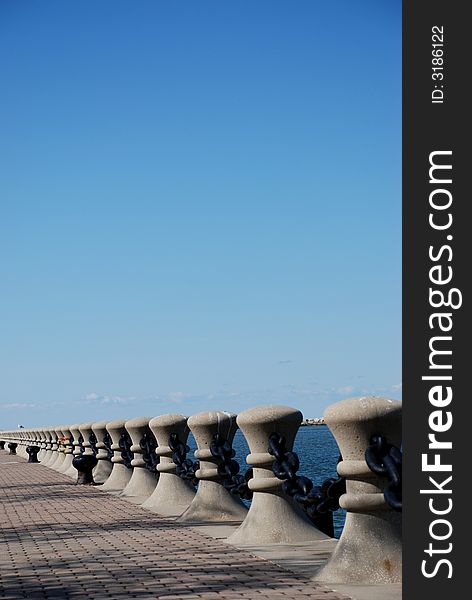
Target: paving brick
point(71, 542)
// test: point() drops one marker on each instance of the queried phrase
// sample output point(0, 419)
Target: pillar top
point(99, 425)
point(355, 420)
point(138, 422)
point(362, 408)
point(269, 413)
point(116, 424)
point(85, 425)
point(167, 420)
point(212, 417)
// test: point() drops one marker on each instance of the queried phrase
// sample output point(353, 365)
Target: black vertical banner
point(437, 269)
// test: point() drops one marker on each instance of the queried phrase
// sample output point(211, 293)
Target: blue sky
point(200, 206)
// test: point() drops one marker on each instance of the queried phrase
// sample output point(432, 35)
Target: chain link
point(148, 444)
point(385, 460)
point(93, 442)
point(107, 442)
point(228, 469)
point(186, 468)
point(320, 501)
point(125, 444)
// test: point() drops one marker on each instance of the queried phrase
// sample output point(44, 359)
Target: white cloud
point(95, 398)
point(18, 405)
point(347, 389)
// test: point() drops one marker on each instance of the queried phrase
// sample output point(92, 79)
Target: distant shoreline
point(310, 422)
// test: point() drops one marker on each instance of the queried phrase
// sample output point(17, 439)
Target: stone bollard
point(76, 451)
point(369, 550)
point(53, 447)
point(48, 452)
point(68, 449)
point(122, 457)
point(144, 478)
point(56, 463)
point(172, 495)
point(212, 501)
point(85, 464)
point(20, 440)
point(41, 444)
point(2, 445)
point(85, 430)
point(32, 452)
point(273, 518)
point(12, 447)
point(104, 467)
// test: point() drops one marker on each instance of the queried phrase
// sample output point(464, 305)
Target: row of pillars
point(133, 459)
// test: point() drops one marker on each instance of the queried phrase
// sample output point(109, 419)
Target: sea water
point(318, 454)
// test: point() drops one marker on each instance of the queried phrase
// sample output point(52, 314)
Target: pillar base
point(140, 486)
point(118, 480)
point(274, 519)
point(172, 496)
point(213, 503)
point(381, 551)
point(102, 471)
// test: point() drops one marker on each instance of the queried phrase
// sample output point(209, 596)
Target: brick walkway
point(58, 540)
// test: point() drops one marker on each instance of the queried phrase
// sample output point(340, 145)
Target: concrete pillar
point(43, 444)
point(49, 452)
point(143, 481)
point(212, 502)
point(68, 450)
point(122, 469)
point(369, 549)
point(273, 518)
point(172, 495)
point(86, 432)
point(77, 449)
point(56, 463)
point(55, 446)
point(104, 467)
point(20, 440)
point(52, 447)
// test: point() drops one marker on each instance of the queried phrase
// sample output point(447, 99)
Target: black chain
point(320, 501)
point(186, 468)
point(107, 442)
point(228, 469)
point(148, 444)
point(93, 442)
point(125, 444)
point(385, 460)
